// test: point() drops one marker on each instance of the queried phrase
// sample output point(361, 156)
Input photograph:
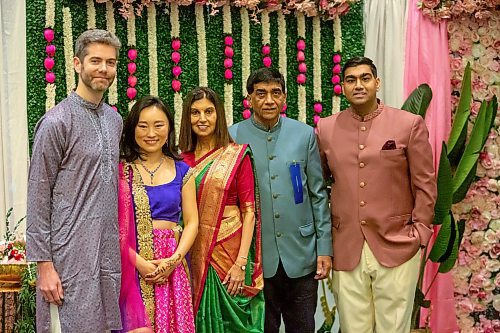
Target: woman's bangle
point(243, 257)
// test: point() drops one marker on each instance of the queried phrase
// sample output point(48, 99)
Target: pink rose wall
point(476, 39)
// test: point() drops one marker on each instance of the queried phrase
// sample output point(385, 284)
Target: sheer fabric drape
point(13, 111)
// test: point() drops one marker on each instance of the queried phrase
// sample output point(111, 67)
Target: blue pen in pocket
point(298, 192)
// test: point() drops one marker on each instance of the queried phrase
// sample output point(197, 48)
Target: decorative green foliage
point(419, 100)
point(26, 322)
point(457, 170)
point(444, 183)
point(458, 132)
point(352, 32)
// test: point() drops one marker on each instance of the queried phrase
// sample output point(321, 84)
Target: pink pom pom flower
point(228, 51)
point(132, 81)
point(176, 71)
point(228, 74)
point(318, 108)
point(284, 107)
point(50, 77)
point(131, 92)
point(48, 34)
point(246, 104)
point(301, 45)
point(267, 61)
point(50, 50)
point(176, 85)
point(228, 40)
point(302, 67)
point(316, 119)
point(337, 69)
point(49, 63)
point(176, 57)
point(131, 67)
point(176, 44)
point(336, 79)
point(246, 114)
point(132, 54)
point(301, 78)
point(301, 56)
point(266, 49)
point(337, 58)
point(337, 89)
point(228, 63)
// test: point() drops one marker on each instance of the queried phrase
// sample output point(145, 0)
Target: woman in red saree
point(154, 186)
point(226, 267)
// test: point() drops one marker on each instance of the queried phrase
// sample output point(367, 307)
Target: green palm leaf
point(466, 169)
point(442, 240)
point(458, 133)
point(444, 187)
point(449, 263)
point(419, 100)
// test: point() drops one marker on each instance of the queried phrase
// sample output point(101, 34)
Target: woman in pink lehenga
point(154, 187)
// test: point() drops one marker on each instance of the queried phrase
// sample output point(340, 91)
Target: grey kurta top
point(73, 212)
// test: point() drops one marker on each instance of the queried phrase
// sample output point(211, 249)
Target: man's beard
point(88, 81)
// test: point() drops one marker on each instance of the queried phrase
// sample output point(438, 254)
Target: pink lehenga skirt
point(173, 300)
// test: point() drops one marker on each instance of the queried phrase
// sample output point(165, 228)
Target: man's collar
point(264, 128)
point(369, 116)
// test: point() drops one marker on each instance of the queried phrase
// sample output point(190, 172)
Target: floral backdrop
point(475, 37)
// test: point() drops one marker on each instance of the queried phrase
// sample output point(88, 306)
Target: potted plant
point(13, 257)
point(456, 172)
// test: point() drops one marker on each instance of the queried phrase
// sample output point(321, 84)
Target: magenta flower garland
point(301, 59)
point(228, 61)
point(49, 61)
point(336, 69)
point(176, 69)
point(266, 55)
point(132, 68)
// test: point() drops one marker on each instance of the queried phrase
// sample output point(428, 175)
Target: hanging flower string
point(176, 68)
point(132, 79)
point(266, 39)
point(131, 66)
point(318, 106)
point(50, 50)
point(245, 59)
point(337, 68)
point(228, 64)
point(111, 27)
point(302, 69)
point(49, 61)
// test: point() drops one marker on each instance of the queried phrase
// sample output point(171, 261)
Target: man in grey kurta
point(296, 226)
point(72, 226)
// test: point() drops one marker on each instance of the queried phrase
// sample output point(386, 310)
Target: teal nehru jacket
point(295, 232)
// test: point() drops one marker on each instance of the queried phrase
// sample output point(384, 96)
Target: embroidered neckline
point(370, 115)
point(264, 128)
point(83, 102)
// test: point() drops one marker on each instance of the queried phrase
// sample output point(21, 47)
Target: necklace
point(152, 173)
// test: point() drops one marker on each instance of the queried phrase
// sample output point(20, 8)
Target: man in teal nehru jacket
point(296, 225)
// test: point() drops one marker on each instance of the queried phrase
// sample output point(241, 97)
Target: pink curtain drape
point(427, 61)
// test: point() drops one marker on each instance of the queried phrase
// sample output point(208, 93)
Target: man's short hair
point(265, 74)
point(357, 61)
point(98, 36)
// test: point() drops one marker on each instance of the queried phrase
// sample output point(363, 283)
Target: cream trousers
point(374, 298)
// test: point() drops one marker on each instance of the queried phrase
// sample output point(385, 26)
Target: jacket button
point(278, 234)
point(362, 184)
point(363, 222)
point(363, 128)
point(275, 196)
point(361, 165)
point(361, 147)
point(273, 177)
point(271, 157)
point(269, 138)
point(276, 215)
point(362, 203)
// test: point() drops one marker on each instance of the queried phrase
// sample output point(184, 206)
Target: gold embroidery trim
point(144, 224)
point(247, 207)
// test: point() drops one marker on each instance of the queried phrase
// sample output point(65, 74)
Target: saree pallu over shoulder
point(219, 234)
point(136, 233)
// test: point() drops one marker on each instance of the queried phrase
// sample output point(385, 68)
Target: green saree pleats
point(221, 313)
